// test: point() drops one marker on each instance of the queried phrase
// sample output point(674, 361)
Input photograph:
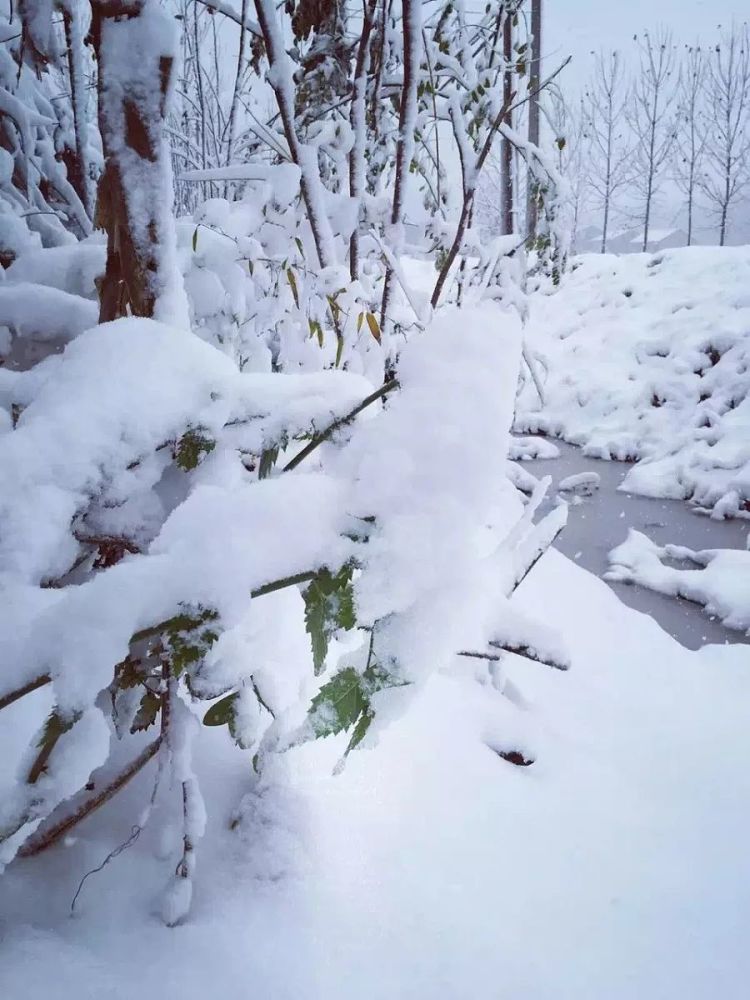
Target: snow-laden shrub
point(154, 545)
point(255, 287)
point(39, 201)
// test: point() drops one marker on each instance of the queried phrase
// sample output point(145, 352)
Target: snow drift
point(648, 358)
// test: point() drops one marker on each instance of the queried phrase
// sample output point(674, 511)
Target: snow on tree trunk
point(135, 43)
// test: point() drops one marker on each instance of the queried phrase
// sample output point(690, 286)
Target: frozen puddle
point(600, 521)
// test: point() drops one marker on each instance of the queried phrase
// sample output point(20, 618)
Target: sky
point(576, 27)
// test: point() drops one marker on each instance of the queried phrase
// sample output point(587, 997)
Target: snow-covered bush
point(177, 503)
point(144, 517)
point(44, 152)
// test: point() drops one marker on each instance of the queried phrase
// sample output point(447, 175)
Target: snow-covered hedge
point(648, 358)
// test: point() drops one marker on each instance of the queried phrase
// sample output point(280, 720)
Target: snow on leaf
point(329, 605)
point(147, 712)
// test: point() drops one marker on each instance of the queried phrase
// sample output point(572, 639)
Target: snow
point(581, 483)
point(71, 269)
point(439, 869)
point(718, 579)
point(648, 357)
point(547, 796)
point(524, 448)
point(44, 313)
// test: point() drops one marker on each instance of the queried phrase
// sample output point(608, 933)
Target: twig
point(324, 435)
point(540, 549)
point(38, 682)
point(528, 653)
point(43, 839)
point(395, 267)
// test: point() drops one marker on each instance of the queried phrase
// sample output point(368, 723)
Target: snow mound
point(524, 449)
point(648, 358)
point(717, 579)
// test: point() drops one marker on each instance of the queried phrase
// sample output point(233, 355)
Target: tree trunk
point(534, 81)
point(406, 126)
point(506, 193)
point(358, 124)
point(135, 183)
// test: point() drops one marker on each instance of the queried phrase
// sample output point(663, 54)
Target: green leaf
point(338, 704)
point(188, 646)
point(147, 712)
point(191, 448)
point(316, 330)
point(268, 460)
point(329, 605)
point(345, 702)
point(195, 239)
point(222, 712)
point(300, 247)
point(360, 730)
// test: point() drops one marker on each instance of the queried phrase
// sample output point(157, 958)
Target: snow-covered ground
point(533, 834)
point(613, 867)
point(648, 357)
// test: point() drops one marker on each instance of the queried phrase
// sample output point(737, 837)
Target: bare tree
point(651, 118)
point(572, 154)
point(691, 129)
point(727, 152)
point(605, 104)
point(535, 77)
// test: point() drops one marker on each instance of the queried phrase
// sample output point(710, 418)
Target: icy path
point(602, 521)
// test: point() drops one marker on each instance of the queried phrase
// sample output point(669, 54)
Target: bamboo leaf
point(293, 285)
point(374, 326)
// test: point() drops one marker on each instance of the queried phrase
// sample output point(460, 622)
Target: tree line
point(677, 117)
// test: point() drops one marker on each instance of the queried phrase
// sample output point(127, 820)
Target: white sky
point(575, 27)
